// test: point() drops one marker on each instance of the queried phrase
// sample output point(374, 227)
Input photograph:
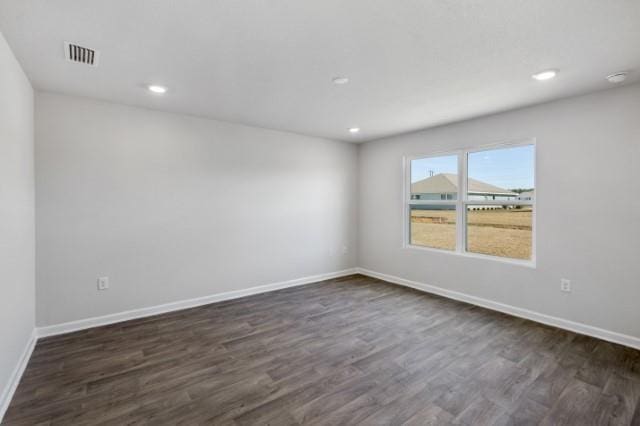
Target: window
point(434, 226)
point(494, 213)
point(433, 213)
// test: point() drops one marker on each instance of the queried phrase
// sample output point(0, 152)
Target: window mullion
point(462, 196)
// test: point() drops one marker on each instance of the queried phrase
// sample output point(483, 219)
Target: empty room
point(320, 212)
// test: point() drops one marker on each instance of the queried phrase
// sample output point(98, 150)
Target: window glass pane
point(433, 226)
point(434, 178)
point(501, 174)
point(504, 231)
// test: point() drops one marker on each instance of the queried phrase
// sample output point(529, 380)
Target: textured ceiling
point(411, 63)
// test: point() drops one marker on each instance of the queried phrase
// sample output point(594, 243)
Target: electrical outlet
point(565, 285)
point(103, 283)
point(345, 249)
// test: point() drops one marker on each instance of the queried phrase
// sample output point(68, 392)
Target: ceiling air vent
point(81, 55)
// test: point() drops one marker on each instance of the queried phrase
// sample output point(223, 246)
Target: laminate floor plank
point(352, 350)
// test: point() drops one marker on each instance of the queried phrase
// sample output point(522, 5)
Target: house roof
point(448, 182)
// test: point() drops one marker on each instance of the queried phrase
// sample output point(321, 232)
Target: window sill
point(526, 263)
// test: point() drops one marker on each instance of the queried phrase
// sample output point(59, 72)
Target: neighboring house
point(444, 186)
point(526, 196)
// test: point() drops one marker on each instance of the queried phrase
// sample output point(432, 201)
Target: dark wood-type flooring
point(353, 350)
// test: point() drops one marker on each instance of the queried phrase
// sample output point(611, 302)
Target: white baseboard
point(12, 385)
point(610, 336)
point(82, 324)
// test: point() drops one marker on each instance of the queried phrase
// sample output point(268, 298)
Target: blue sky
point(507, 168)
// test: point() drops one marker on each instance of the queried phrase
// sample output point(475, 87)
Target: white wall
point(588, 210)
point(17, 239)
point(173, 207)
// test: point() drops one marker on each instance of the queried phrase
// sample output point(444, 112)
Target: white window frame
point(462, 202)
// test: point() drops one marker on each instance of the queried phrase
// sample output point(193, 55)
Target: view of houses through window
point(494, 216)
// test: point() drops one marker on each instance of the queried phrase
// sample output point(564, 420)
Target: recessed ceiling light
point(618, 77)
point(340, 80)
point(157, 89)
point(354, 130)
point(545, 75)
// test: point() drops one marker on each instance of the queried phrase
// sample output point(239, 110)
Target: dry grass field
point(505, 233)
